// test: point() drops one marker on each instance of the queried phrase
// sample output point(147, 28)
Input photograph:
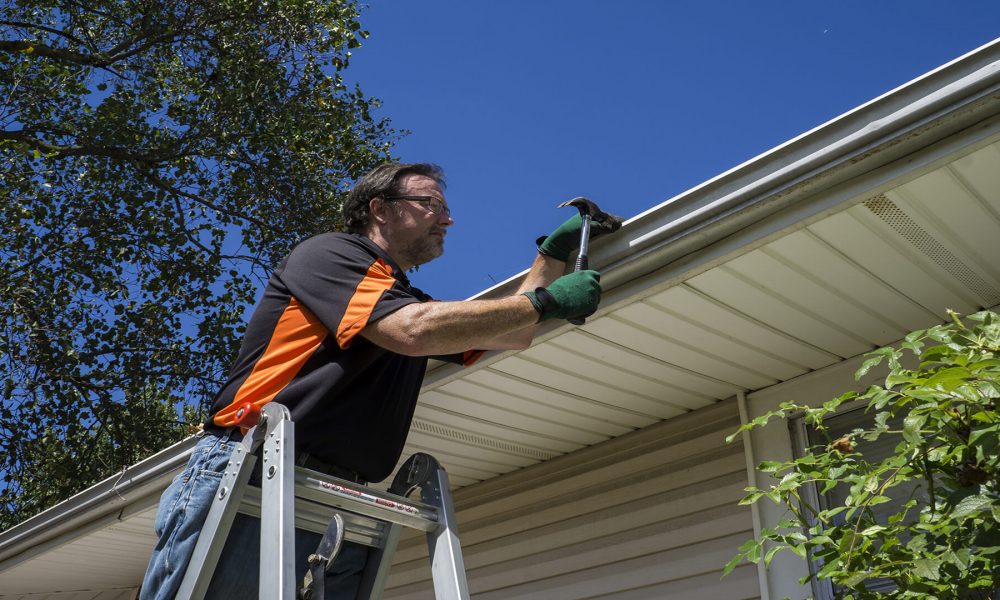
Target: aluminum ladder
point(291, 497)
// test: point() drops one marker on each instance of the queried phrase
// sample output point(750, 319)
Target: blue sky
point(528, 103)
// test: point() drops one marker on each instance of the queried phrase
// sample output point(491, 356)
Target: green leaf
point(936, 353)
point(769, 556)
point(971, 505)
point(854, 580)
point(770, 466)
point(751, 550)
point(732, 564)
point(876, 500)
point(828, 569)
point(959, 558)
point(878, 397)
point(950, 378)
point(986, 437)
point(911, 428)
point(867, 366)
point(989, 389)
point(917, 543)
point(873, 530)
point(899, 378)
point(927, 568)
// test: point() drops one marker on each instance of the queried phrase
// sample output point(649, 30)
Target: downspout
point(741, 402)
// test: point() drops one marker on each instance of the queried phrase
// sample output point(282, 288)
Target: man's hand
point(571, 296)
point(561, 242)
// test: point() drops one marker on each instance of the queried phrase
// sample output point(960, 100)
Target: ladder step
point(325, 489)
point(314, 517)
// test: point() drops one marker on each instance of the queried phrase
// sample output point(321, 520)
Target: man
point(342, 339)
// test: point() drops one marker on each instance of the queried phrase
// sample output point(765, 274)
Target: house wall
point(651, 514)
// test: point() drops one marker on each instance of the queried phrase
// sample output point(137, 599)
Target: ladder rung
point(314, 517)
point(324, 489)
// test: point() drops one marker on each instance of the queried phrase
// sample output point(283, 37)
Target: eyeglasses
point(431, 203)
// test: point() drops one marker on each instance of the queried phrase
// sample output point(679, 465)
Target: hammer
point(588, 211)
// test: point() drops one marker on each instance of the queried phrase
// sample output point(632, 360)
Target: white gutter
point(113, 495)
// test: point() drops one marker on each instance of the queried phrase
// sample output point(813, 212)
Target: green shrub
point(942, 539)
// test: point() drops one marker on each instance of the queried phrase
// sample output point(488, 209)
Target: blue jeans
point(181, 514)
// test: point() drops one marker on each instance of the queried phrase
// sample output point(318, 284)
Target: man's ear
point(377, 208)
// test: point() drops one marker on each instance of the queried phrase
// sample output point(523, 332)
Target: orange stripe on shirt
point(469, 357)
point(378, 279)
point(295, 339)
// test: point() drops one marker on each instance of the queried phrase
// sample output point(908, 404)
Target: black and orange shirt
point(351, 401)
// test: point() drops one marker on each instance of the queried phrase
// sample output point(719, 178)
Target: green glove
point(571, 296)
point(564, 240)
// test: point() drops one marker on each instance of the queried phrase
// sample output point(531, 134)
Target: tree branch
point(166, 187)
point(94, 60)
point(115, 152)
point(51, 30)
point(102, 60)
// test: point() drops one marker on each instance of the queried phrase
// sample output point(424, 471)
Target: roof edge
point(113, 494)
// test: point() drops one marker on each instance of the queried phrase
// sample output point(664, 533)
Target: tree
point(942, 539)
point(158, 158)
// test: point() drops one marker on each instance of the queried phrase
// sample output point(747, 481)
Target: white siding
point(652, 514)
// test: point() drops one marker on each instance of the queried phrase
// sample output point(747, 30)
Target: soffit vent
point(919, 238)
point(482, 441)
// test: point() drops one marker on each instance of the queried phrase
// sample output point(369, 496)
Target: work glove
point(561, 242)
point(572, 296)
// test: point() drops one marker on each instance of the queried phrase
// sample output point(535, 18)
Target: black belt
point(304, 459)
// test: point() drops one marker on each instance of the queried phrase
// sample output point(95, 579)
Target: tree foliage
point(943, 540)
point(158, 157)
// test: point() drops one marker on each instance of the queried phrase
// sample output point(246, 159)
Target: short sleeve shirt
point(351, 401)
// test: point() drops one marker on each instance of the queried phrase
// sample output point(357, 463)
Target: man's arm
point(442, 328)
point(544, 271)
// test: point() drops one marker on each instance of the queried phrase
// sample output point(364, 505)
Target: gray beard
point(423, 251)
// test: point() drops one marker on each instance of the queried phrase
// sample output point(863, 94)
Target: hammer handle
point(581, 265)
point(582, 260)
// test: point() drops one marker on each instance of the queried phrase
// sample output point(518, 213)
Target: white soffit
point(105, 564)
point(841, 286)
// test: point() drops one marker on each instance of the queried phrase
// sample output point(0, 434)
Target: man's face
point(417, 233)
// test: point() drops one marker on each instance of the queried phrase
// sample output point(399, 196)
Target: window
point(839, 425)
